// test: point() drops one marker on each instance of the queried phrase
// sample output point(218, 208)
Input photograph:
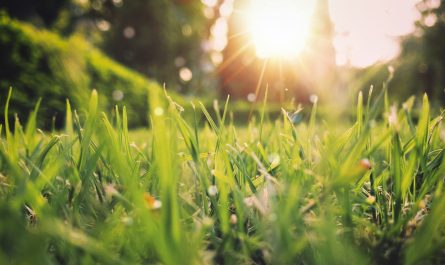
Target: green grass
point(284, 191)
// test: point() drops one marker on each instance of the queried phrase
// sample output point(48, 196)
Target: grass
point(285, 191)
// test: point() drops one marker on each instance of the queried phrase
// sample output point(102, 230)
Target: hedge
point(40, 64)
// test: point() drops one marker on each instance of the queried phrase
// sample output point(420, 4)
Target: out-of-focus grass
point(300, 189)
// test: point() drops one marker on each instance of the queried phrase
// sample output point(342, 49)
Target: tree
point(161, 39)
point(423, 52)
point(46, 11)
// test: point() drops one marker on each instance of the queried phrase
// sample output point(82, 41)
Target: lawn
point(299, 189)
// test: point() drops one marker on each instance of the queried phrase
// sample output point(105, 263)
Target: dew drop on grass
point(371, 200)
point(365, 164)
point(233, 219)
point(159, 111)
point(274, 160)
point(212, 190)
point(313, 98)
point(392, 117)
point(157, 204)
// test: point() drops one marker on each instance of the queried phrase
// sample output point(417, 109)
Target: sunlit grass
point(287, 191)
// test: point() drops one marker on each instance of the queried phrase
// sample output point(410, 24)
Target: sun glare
point(279, 28)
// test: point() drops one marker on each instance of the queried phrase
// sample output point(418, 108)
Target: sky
point(367, 30)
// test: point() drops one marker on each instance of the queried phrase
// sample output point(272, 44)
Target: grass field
point(296, 190)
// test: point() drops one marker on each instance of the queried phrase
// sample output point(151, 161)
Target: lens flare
point(279, 28)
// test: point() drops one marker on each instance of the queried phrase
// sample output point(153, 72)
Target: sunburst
point(279, 28)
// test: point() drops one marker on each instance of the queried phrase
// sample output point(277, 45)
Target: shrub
point(41, 64)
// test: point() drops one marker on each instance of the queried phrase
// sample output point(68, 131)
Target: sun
point(279, 28)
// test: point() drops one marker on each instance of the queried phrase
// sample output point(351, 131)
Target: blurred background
point(206, 49)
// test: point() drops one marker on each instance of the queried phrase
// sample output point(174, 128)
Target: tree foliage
point(156, 38)
point(46, 11)
point(423, 52)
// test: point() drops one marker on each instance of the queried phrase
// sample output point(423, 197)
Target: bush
point(40, 64)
